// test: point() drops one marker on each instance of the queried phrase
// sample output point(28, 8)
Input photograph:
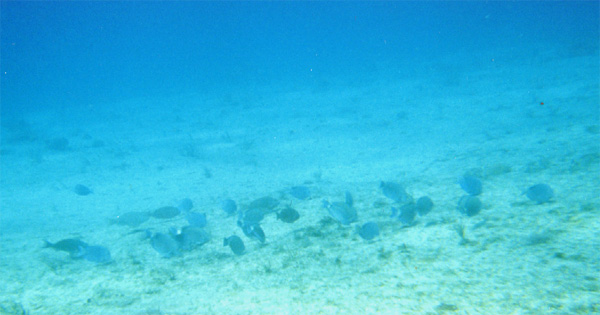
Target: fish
point(407, 213)
point(165, 245)
point(82, 190)
point(190, 237)
point(235, 243)
point(369, 231)
point(424, 205)
point(254, 231)
point(471, 185)
point(196, 219)
point(539, 193)
point(469, 205)
point(229, 206)
point(300, 192)
point(250, 216)
point(185, 205)
point(132, 219)
point(288, 215)
point(97, 254)
point(395, 191)
point(72, 246)
point(267, 204)
point(342, 212)
point(165, 212)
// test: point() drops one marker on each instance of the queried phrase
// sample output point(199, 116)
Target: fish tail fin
point(395, 212)
point(47, 244)
point(349, 199)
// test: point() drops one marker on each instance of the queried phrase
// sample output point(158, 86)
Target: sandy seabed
point(515, 257)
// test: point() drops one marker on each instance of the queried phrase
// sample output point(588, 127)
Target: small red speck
point(541, 103)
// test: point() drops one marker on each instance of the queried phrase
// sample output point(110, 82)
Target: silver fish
point(343, 212)
point(395, 191)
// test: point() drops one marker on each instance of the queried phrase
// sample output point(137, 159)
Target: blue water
point(79, 53)
point(148, 103)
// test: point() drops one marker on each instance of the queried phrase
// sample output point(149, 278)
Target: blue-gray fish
point(266, 204)
point(343, 212)
point(469, 205)
point(82, 190)
point(407, 213)
point(229, 206)
point(235, 243)
point(190, 237)
point(470, 184)
point(185, 205)
point(288, 215)
point(250, 216)
point(300, 192)
point(539, 193)
point(70, 245)
point(395, 191)
point(97, 254)
point(165, 245)
point(368, 231)
point(196, 219)
point(132, 219)
point(165, 212)
point(254, 231)
point(424, 205)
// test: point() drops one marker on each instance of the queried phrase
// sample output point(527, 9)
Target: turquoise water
point(148, 103)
